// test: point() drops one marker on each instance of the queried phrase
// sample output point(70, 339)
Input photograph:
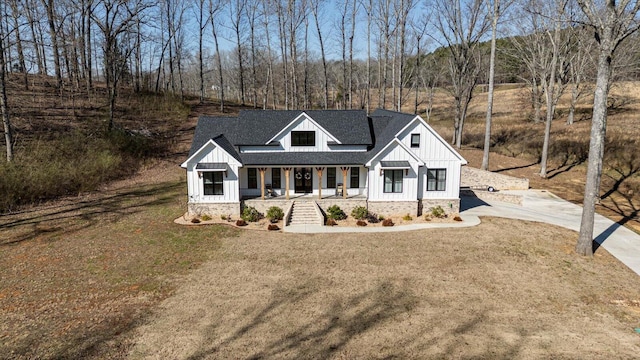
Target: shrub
point(387, 222)
point(205, 217)
point(241, 222)
point(334, 212)
point(273, 227)
point(359, 212)
point(331, 222)
point(224, 217)
point(361, 223)
point(250, 214)
point(438, 212)
point(195, 221)
point(373, 218)
point(274, 214)
point(407, 218)
point(380, 217)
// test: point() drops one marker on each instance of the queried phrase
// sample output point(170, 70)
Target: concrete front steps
point(305, 213)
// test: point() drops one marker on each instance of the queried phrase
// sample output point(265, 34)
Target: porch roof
point(212, 166)
point(395, 165)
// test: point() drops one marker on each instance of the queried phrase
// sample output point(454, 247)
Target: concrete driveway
point(543, 206)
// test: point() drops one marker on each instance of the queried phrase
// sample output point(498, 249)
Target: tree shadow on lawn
point(68, 218)
point(326, 335)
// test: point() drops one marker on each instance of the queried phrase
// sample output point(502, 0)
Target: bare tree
point(49, 6)
point(114, 19)
point(4, 110)
point(612, 21)
point(237, 16)
point(315, 10)
point(495, 15)
point(461, 24)
point(215, 7)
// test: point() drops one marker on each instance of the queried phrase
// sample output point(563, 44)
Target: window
point(355, 178)
point(213, 183)
point(436, 179)
point(275, 178)
point(415, 140)
point(331, 177)
point(252, 178)
point(303, 138)
point(393, 181)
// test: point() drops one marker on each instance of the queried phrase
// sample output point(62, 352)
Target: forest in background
point(100, 61)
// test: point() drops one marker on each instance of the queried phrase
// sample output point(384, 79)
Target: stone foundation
point(213, 209)
point(450, 206)
point(389, 208)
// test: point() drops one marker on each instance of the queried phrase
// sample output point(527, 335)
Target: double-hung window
point(355, 178)
point(393, 181)
point(331, 177)
point(276, 183)
point(213, 183)
point(436, 179)
point(252, 178)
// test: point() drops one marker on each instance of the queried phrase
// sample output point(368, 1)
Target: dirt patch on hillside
point(484, 292)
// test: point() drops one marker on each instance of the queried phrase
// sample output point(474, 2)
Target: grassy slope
point(517, 143)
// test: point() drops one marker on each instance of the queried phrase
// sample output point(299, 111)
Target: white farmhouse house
point(393, 163)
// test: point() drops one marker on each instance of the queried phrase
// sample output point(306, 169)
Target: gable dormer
point(304, 134)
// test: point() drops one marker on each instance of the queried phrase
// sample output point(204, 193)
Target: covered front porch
point(303, 182)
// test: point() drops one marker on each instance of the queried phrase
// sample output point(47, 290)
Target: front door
point(303, 180)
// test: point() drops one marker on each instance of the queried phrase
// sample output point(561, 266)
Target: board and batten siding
point(213, 154)
point(452, 187)
point(304, 124)
point(409, 181)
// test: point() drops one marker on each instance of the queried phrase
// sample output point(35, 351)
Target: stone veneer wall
point(450, 206)
point(493, 196)
point(388, 208)
point(214, 209)
point(472, 177)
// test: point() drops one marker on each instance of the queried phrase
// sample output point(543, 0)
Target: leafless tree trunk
point(613, 21)
point(23, 67)
point(53, 34)
point(215, 6)
point(461, 24)
point(315, 9)
point(492, 70)
point(237, 10)
point(4, 109)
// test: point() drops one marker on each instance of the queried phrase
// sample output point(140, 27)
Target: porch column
point(319, 171)
point(262, 171)
point(286, 182)
point(344, 181)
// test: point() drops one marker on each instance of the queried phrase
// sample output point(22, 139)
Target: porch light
point(200, 174)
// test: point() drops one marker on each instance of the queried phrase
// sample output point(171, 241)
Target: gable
point(211, 152)
point(395, 150)
point(432, 145)
point(303, 123)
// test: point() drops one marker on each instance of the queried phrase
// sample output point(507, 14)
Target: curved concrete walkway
point(537, 205)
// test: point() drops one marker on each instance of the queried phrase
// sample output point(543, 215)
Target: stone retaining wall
point(472, 178)
point(346, 205)
point(494, 196)
point(388, 208)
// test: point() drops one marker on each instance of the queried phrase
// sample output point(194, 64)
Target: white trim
point(434, 133)
point(403, 146)
point(215, 144)
point(292, 123)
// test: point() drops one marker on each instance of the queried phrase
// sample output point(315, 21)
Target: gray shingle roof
point(395, 164)
point(256, 127)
